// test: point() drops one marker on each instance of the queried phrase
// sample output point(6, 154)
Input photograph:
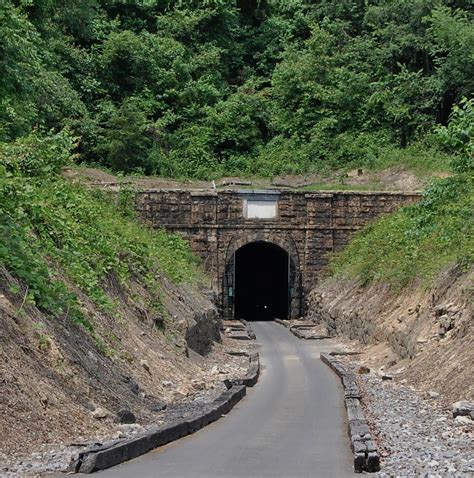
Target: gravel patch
point(415, 434)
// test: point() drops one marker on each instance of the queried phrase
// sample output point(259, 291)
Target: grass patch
point(423, 160)
point(418, 241)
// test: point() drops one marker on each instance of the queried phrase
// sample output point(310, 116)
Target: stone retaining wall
point(307, 225)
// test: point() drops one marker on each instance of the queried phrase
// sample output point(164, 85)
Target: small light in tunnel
point(261, 281)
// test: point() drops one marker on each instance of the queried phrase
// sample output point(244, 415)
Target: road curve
point(290, 425)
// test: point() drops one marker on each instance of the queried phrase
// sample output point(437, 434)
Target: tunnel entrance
point(261, 282)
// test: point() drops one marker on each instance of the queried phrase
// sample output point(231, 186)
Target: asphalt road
point(290, 425)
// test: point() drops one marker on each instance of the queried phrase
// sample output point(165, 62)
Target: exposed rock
point(125, 416)
point(129, 427)
point(198, 384)
point(145, 365)
point(100, 413)
point(158, 406)
point(463, 408)
point(203, 331)
point(79, 388)
point(181, 392)
point(463, 420)
point(134, 387)
point(428, 332)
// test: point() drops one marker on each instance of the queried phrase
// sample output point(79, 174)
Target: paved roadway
point(290, 425)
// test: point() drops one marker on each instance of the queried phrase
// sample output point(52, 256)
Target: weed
point(418, 241)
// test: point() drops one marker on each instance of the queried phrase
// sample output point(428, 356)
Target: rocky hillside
point(100, 317)
point(59, 384)
point(425, 336)
point(404, 288)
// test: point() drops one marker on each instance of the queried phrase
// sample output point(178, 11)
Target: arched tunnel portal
point(265, 249)
point(262, 282)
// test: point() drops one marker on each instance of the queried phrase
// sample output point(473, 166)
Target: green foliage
point(451, 35)
point(201, 89)
point(458, 136)
point(418, 241)
point(188, 88)
point(422, 158)
point(123, 140)
point(56, 236)
point(31, 91)
point(36, 155)
point(18, 62)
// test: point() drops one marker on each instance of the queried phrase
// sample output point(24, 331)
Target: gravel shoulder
point(415, 433)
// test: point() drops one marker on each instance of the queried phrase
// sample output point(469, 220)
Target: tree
point(124, 141)
point(458, 135)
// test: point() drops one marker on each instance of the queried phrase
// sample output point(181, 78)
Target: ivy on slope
point(53, 232)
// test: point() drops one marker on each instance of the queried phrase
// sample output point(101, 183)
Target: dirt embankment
point(394, 178)
point(60, 385)
point(423, 336)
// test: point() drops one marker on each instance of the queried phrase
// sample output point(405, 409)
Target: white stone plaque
point(255, 209)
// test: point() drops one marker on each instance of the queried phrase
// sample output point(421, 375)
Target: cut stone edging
point(366, 456)
point(241, 330)
point(116, 452)
point(250, 332)
point(253, 371)
point(296, 330)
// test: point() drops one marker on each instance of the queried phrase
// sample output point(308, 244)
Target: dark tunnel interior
point(261, 282)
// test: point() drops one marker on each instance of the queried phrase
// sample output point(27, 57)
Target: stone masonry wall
point(308, 226)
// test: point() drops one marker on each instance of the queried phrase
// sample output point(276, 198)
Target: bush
point(37, 154)
point(56, 236)
point(458, 136)
point(124, 141)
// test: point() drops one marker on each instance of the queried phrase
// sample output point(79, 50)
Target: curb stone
point(366, 456)
point(250, 332)
point(100, 458)
point(240, 330)
point(253, 371)
point(116, 452)
point(296, 331)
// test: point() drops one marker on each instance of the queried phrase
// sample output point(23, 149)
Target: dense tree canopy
point(202, 88)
